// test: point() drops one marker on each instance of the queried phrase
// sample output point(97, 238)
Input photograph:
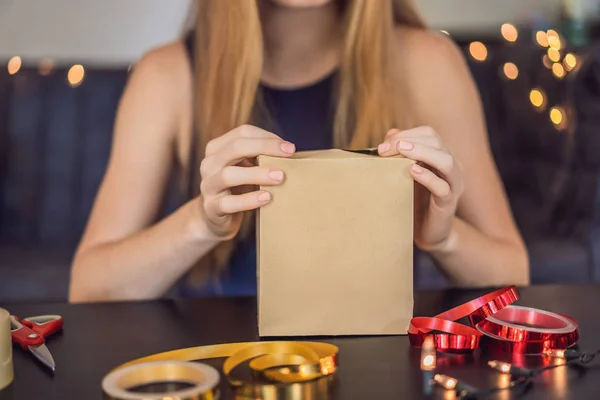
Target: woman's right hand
point(229, 172)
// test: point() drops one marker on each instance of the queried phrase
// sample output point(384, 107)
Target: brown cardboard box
point(335, 246)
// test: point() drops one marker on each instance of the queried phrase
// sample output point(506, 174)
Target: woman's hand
point(228, 174)
point(441, 183)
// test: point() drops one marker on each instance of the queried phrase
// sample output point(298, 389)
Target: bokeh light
point(554, 40)
point(558, 70)
point(14, 65)
point(511, 71)
point(570, 61)
point(478, 51)
point(541, 38)
point(46, 66)
point(537, 98)
point(509, 32)
point(75, 75)
point(558, 116)
point(547, 62)
point(553, 55)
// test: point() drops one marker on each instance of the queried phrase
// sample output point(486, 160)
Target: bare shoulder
point(159, 93)
point(167, 66)
point(433, 67)
point(429, 54)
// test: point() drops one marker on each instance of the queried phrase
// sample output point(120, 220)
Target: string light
point(555, 353)
point(514, 377)
point(14, 65)
point(554, 40)
point(500, 366)
point(46, 66)
point(570, 61)
point(537, 98)
point(541, 38)
point(450, 383)
point(558, 70)
point(478, 51)
point(428, 355)
point(509, 32)
point(511, 71)
point(75, 75)
point(445, 381)
point(507, 368)
point(554, 55)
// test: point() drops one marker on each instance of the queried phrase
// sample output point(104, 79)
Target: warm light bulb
point(509, 32)
point(75, 75)
point(445, 381)
point(478, 51)
point(541, 38)
point(554, 55)
point(558, 70)
point(554, 40)
point(428, 355)
point(500, 366)
point(511, 71)
point(537, 98)
point(428, 362)
point(555, 353)
point(14, 65)
point(570, 61)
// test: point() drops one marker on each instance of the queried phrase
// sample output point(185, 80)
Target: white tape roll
point(6, 364)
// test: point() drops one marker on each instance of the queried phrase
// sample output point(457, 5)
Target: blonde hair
point(229, 47)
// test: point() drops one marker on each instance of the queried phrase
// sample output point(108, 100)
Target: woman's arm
point(121, 256)
point(483, 247)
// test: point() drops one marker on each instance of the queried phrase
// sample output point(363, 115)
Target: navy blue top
point(303, 116)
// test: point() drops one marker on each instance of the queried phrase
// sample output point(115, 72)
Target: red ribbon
point(511, 329)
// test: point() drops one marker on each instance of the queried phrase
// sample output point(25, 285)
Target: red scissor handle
point(44, 325)
point(24, 335)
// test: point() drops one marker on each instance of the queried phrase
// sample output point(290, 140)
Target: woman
point(258, 77)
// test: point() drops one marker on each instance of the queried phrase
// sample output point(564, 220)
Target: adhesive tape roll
point(6, 365)
point(201, 380)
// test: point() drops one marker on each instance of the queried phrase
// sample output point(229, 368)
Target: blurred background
point(64, 64)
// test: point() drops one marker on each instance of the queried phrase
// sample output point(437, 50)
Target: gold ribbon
point(282, 369)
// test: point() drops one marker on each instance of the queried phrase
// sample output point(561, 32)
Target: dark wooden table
point(97, 337)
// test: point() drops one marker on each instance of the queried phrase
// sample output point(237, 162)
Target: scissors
point(30, 334)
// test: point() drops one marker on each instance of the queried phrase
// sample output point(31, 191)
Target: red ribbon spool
point(503, 327)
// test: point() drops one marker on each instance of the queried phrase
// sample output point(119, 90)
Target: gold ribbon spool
point(6, 365)
point(203, 379)
point(301, 370)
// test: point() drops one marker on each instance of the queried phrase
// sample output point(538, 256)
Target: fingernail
point(264, 197)
point(288, 147)
point(383, 147)
point(405, 146)
point(276, 175)
point(417, 168)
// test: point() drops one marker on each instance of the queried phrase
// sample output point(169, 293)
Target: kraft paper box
point(335, 246)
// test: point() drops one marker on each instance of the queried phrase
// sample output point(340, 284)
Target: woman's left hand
point(440, 177)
